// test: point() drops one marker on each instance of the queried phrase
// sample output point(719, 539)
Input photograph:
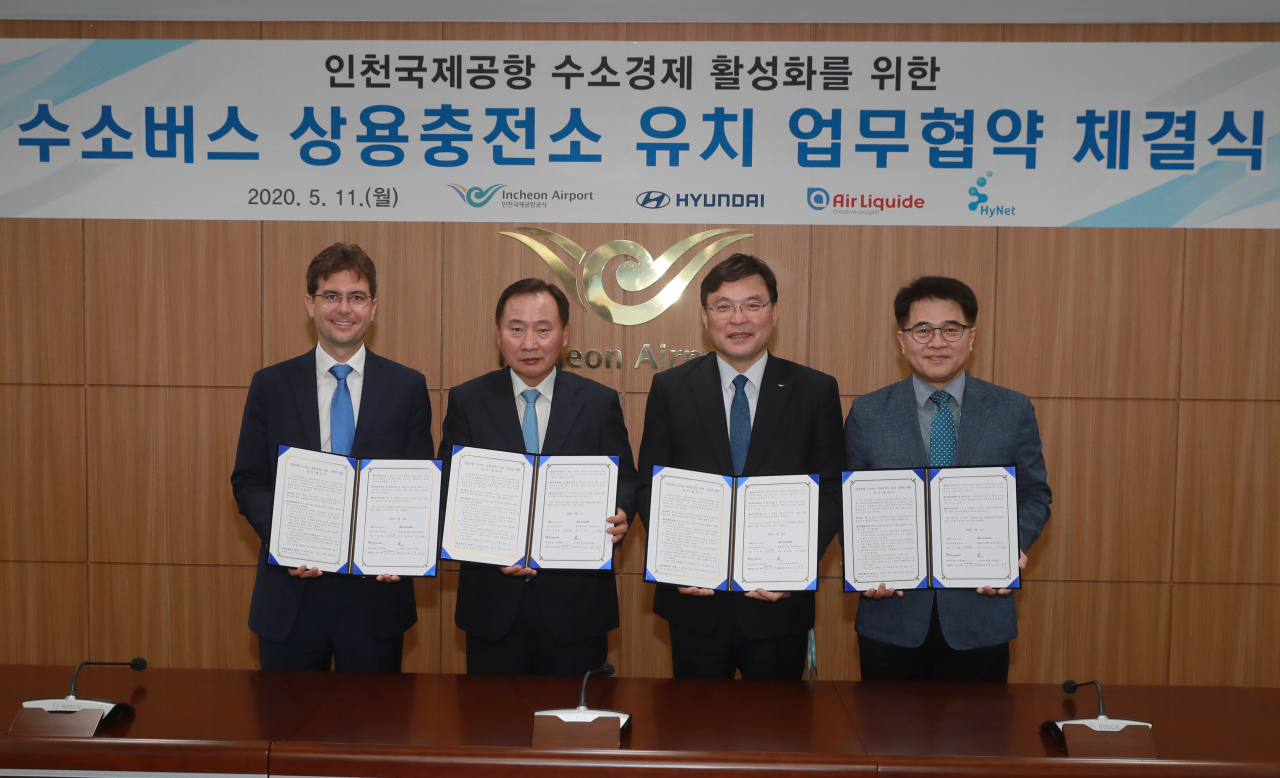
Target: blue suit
point(997, 427)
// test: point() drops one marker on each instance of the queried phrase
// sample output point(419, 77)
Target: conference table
point(239, 722)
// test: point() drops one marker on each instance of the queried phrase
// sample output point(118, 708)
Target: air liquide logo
point(861, 203)
point(583, 274)
point(653, 199)
point(475, 196)
point(980, 198)
point(818, 198)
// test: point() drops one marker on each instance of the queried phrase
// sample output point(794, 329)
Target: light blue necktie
point(942, 434)
point(530, 423)
point(342, 418)
point(739, 425)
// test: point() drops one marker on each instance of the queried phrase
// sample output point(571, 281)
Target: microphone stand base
point(1104, 738)
point(578, 728)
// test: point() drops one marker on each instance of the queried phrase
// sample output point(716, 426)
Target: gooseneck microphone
point(606, 670)
point(1070, 688)
point(137, 663)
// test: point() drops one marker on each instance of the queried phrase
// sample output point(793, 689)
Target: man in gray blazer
point(942, 416)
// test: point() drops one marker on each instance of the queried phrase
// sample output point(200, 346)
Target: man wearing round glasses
point(341, 398)
point(941, 416)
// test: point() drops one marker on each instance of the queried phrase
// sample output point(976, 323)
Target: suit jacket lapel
point(304, 392)
point(775, 389)
point(565, 407)
point(973, 420)
point(906, 420)
point(501, 407)
point(710, 400)
point(371, 391)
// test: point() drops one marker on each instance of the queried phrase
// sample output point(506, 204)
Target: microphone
point(71, 703)
point(1070, 688)
point(606, 670)
point(137, 663)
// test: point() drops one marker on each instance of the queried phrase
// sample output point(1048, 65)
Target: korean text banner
point(1036, 134)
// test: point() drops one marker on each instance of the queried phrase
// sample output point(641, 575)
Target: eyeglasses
point(951, 332)
point(357, 299)
point(727, 309)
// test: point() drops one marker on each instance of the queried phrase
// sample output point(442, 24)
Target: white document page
point(776, 533)
point(311, 521)
point(486, 517)
point(974, 526)
point(885, 535)
point(689, 523)
point(397, 517)
point(576, 496)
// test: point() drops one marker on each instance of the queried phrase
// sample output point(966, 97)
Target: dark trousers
point(329, 630)
point(726, 650)
point(932, 660)
point(529, 649)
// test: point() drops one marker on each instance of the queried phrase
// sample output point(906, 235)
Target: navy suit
point(282, 409)
point(796, 430)
point(997, 427)
point(586, 420)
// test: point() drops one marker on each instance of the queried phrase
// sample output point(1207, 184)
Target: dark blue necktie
point(342, 418)
point(942, 434)
point(739, 425)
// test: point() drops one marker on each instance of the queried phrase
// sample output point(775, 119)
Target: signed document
point(974, 527)
point(505, 508)
point(740, 534)
point(363, 517)
point(776, 533)
point(885, 532)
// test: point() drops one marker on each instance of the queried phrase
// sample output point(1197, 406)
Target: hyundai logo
point(653, 199)
point(818, 198)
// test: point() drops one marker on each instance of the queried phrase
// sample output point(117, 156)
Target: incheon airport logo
point(475, 196)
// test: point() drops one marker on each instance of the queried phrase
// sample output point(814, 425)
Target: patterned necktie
point(739, 425)
point(942, 435)
point(342, 418)
point(530, 424)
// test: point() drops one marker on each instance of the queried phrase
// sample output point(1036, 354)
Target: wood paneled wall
point(1150, 355)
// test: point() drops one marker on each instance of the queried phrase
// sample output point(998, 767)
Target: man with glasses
point(742, 411)
point(341, 398)
point(941, 416)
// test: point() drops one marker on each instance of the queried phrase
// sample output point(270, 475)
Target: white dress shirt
point(754, 374)
point(543, 405)
point(327, 384)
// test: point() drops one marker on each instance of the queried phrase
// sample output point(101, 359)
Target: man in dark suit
point(742, 411)
point(521, 621)
point(342, 398)
point(942, 416)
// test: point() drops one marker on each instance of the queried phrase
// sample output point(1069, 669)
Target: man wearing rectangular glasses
point(941, 416)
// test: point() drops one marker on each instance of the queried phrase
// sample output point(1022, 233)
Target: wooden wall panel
point(44, 259)
point(857, 271)
point(479, 263)
point(174, 615)
point(407, 256)
point(1101, 527)
point(39, 28)
point(175, 29)
point(1098, 33)
point(644, 642)
point(352, 31)
point(1089, 312)
point(1255, 31)
point(1233, 277)
point(534, 31)
point(666, 31)
point(833, 633)
point(173, 302)
point(755, 31)
point(44, 607)
point(1226, 527)
point(1225, 635)
point(42, 496)
point(909, 32)
point(453, 641)
point(1116, 632)
point(422, 642)
point(156, 495)
point(1036, 655)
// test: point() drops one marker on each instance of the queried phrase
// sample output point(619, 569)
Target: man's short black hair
point(935, 288)
point(736, 268)
point(534, 286)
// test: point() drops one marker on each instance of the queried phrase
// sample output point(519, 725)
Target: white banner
point(1034, 134)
